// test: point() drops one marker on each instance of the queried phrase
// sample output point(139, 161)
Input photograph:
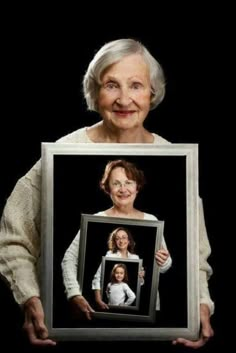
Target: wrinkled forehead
point(128, 67)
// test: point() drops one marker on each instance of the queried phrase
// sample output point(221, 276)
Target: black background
point(163, 195)
point(44, 56)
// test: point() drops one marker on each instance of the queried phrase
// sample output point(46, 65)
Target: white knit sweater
point(20, 233)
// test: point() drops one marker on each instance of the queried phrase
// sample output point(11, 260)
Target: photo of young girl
point(118, 291)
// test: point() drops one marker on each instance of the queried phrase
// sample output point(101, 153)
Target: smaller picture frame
point(91, 257)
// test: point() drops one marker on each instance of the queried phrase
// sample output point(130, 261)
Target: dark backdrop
point(44, 59)
point(163, 195)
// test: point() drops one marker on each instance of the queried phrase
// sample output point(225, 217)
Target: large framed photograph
point(141, 299)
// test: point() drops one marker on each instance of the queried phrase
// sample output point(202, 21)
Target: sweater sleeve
point(205, 270)
point(20, 236)
point(96, 282)
point(20, 231)
point(69, 268)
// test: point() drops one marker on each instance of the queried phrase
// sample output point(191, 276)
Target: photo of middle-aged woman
point(122, 181)
point(121, 244)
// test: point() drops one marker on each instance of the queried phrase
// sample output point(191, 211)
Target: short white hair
point(111, 53)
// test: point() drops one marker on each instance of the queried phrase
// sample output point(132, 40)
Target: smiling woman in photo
point(122, 181)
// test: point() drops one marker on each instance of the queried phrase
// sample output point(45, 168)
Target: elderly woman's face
point(125, 93)
point(123, 191)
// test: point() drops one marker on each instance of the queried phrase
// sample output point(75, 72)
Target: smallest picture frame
point(122, 294)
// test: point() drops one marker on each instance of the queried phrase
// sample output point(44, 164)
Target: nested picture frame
point(70, 189)
point(134, 267)
point(94, 234)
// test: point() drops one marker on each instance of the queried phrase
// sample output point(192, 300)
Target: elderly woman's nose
point(124, 97)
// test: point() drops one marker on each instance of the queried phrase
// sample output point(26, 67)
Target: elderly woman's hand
point(34, 325)
point(206, 330)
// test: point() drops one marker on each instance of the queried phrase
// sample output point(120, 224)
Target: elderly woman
point(122, 83)
point(121, 181)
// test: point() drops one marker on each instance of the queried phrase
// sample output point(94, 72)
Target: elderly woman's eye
point(111, 85)
point(136, 85)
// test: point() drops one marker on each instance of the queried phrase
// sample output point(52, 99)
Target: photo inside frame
point(71, 177)
point(93, 247)
point(131, 270)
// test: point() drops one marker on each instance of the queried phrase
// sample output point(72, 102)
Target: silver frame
point(105, 261)
point(190, 151)
point(157, 229)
